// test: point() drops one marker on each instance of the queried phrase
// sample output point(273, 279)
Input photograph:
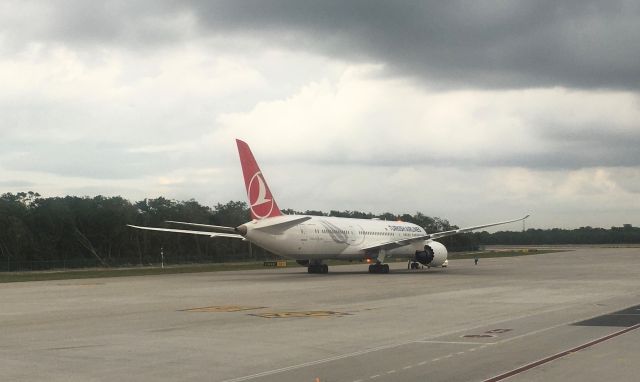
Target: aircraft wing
point(438, 235)
point(435, 235)
point(203, 233)
point(395, 243)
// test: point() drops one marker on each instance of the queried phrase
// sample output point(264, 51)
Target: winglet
point(261, 201)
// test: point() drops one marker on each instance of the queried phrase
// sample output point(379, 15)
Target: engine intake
point(434, 254)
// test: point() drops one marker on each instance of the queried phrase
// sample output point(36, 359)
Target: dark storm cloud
point(460, 43)
point(503, 44)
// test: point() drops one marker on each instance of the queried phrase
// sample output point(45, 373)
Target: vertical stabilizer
point(261, 202)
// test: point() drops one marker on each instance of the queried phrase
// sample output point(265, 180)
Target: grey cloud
point(490, 43)
point(588, 145)
point(84, 159)
point(553, 148)
point(129, 24)
point(12, 183)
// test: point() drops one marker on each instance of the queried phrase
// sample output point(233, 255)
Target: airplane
point(311, 240)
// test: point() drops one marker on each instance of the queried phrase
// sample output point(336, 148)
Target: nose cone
point(242, 230)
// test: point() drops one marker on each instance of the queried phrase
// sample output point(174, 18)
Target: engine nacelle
point(434, 254)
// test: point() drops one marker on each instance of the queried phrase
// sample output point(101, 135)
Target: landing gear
point(413, 265)
point(379, 268)
point(318, 268)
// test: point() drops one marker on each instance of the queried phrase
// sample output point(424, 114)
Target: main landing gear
point(318, 268)
point(379, 268)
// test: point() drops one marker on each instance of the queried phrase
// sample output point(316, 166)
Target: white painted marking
point(374, 376)
point(455, 342)
point(436, 359)
point(422, 363)
point(494, 323)
point(535, 332)
point(424, 340)
point(317, 362)
point(407, 367)
point(391, 371)
point(460, 352)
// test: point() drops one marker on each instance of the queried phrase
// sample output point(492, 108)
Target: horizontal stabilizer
point(203, 233)
point(214, 228)
point(283, 225)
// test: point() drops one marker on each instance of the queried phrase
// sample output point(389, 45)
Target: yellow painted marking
point(279, 263)
point(222, 308)
point(311, 313)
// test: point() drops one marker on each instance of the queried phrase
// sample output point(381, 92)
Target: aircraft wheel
point(318, 268)
point(379, 268)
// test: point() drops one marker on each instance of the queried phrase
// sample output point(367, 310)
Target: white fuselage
point(323, 237)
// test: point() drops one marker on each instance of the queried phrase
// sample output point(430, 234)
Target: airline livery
point(310, 240)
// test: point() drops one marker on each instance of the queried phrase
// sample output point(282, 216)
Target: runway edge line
point(560, 355)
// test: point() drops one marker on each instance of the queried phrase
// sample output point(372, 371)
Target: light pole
point(162, 257)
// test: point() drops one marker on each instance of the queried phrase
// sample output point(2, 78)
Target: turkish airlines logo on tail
point(260, 199)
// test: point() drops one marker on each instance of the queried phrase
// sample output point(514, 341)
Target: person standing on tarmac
point(475, 260)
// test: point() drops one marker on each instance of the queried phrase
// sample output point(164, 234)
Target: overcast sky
point(473, 111)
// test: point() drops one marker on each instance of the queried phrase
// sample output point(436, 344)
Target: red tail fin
point(261, 202)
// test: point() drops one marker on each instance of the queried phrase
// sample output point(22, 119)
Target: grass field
point(8, 277)
point(124, 272)
point(506, 253)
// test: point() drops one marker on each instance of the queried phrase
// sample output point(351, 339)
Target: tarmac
point(572, 315)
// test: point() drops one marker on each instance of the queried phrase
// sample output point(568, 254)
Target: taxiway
point(463, 323)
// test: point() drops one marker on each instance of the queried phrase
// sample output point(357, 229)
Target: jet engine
point(433, 255)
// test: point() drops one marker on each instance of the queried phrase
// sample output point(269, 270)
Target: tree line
point(71, 232)
point(68, 232)
point(627, 234)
